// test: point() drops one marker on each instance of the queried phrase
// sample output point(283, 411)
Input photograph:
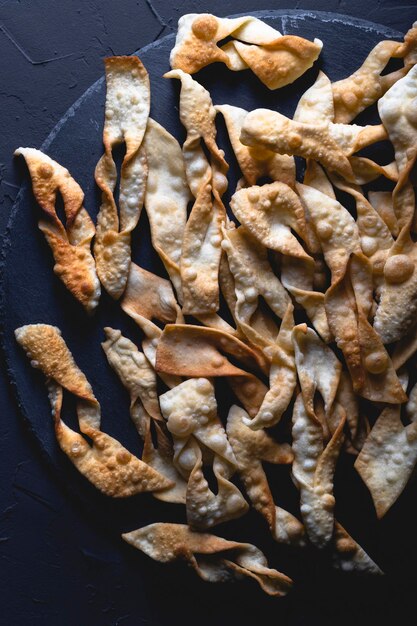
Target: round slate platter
point(31, 293)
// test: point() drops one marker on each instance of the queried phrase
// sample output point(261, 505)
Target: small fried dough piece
point(214, 559)
point(70, 244)
point(106, 463)
point(330, 144)
point(251, 448)
point(126, 116)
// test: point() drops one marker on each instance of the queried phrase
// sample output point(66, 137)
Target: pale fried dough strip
point(126, 115)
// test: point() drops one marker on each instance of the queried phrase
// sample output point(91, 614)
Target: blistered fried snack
point(105, 462)
point(70, 243)
point(213, 558)
point(191, 413)
point(365, 86)
point(126, 116)
point(277, 60)
point(329, 144)
point(139, 378)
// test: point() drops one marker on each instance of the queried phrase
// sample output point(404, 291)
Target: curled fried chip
point(397, 112)
point(389, 455)
point(106, 463)
point(383, 205)
point(253, 278)
point(166, 197)
point(318, 368)
point(126, 116)
point(280, 62)
point(70, 244)
point(270, 213)
point(187, 350)
point(191, 413)
point(213, 558)
point(330, 144)
point(316, 104)
point(251, 448)
point(282, 378)
point(197, 36)
point(255, 162)
point(313, 469)
point(365, 86)
point(139, 378)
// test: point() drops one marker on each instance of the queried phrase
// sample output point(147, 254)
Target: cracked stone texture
point(58, 567)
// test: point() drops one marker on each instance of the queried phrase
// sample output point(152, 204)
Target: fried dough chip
point(201, 252)
point(198, 35)
point(255, 162)
point(349, 556)
point(186, 350)
point(313, 469)
point(316, 104)
point(282, 378)
point(126, 116)
point(318, 368)
point(106, 463)
point(383, 205)
point(253, 278)
point(330, 144)
point(250, 449)
point(282, 61)
point(166, 197)
point(139, 378)
point(373, 374)
point(191, 413)
point(397, 110)
point(213, 558)
point(70, 244)
point(365, 86)
point(389, 455)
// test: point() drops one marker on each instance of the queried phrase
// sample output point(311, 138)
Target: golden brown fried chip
point(313, 470)
point(282, 378)
point(106, 463)
point(365, 86)
point(389, 454)
point(251, 448)
point(126, 116)
point(349, 556)
point(187, 350)
point(383, 205)
point(197, 36)
point(316, 104)
point(191, 413)
point(330, 144)
point(253, 278)
point(213, 558)
point(70, 244)
point(255, 162)
point(282, 61)
point(166, 197)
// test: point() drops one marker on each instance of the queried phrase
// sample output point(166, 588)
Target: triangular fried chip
point(106, 463)
point(213, 558)
point(316, 104)
point(70, 245)
point(349, 556)
point(126, 116)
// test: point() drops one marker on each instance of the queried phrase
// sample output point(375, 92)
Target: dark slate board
point(31, 293)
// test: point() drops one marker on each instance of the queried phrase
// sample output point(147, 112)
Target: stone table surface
point(58, 566)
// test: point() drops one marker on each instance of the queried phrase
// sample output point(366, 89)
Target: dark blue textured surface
point(61, 563)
